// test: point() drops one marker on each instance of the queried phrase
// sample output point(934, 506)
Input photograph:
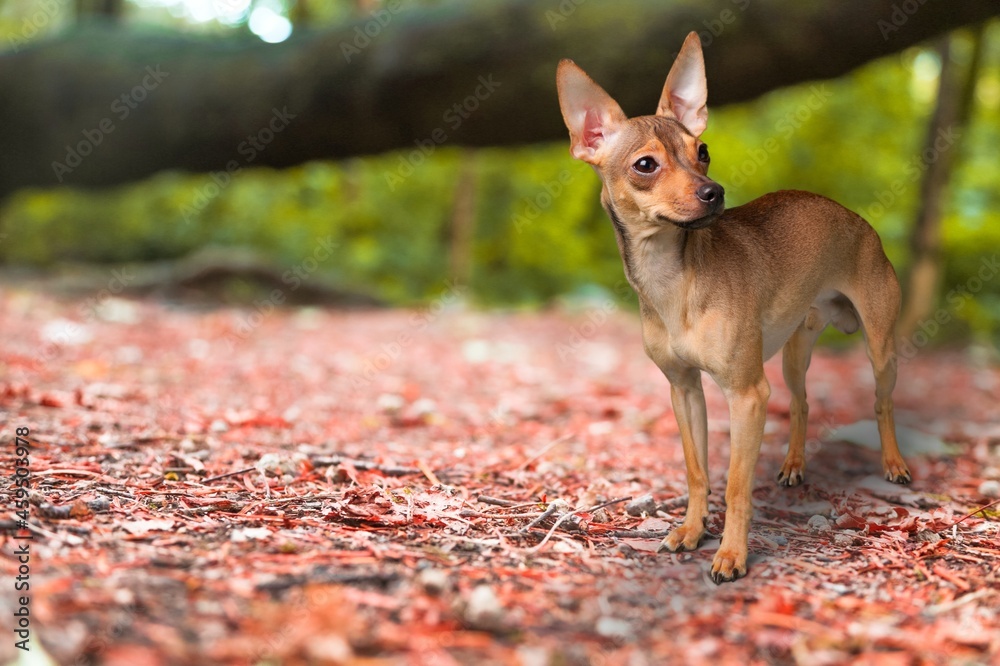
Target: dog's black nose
point(710, 193)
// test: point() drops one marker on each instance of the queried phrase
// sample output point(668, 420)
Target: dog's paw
point(792, 472)
point(728, 565)
point(896, 471)
point(683, 538)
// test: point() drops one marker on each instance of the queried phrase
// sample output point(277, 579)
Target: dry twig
point(970, 515)
point(367, 466)
point(229, 474)
point(566, 516)
point(555, 506)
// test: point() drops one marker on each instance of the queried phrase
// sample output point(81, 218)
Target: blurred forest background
point(910, 140)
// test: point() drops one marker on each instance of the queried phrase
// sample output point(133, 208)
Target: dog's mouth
point(691, 225)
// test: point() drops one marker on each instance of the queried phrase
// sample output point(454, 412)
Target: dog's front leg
point(747, 411)
point(688, 401)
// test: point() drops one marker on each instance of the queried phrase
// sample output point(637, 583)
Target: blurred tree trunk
point(300, 14)
point(102, 105)
point(463, 220)
point(105, 9)
point(366, 7)
point(955, 102)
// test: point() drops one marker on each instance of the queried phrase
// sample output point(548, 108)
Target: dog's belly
point(829, 307)
point(715, 337)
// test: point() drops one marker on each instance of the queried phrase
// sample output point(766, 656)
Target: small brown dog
point(721, 291)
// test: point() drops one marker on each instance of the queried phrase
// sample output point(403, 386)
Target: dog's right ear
point(590, 114)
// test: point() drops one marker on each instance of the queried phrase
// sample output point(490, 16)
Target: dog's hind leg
point(876, 299)
point(794, 363)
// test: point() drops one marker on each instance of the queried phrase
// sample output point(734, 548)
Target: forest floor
point(214, 486)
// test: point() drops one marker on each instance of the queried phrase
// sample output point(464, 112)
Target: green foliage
point(540, 232)
point(538, 228)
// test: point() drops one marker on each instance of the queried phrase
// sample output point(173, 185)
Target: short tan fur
point(721, 291)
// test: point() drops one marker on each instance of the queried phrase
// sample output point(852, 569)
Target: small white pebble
point(613, 627)
point(600, 428)
point(477, 351)
point(818, 523)
point(269, 462)
point(389, 402)
point(199, 349)
point(483, 610)
point(66, 333)
point(434, 581)
point(128, 355)
point(424, 406)
point(117, 310)
point(329, 649)
point(843, 539)
point(241, 535)
point(989, 488)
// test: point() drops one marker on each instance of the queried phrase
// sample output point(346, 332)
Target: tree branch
point(111, 105)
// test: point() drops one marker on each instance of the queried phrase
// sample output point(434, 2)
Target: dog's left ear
point(685, 93)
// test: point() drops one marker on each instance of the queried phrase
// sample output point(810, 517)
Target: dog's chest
point(704, 341)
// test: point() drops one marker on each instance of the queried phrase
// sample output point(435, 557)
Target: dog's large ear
point(685, 93)
point(590, 114)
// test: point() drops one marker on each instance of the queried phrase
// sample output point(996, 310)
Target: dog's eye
point(703, 153)
point(645, 165)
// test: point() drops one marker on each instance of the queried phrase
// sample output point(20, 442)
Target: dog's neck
point(652, 255)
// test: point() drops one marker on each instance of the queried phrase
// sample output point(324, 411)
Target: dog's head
point(655, 167)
